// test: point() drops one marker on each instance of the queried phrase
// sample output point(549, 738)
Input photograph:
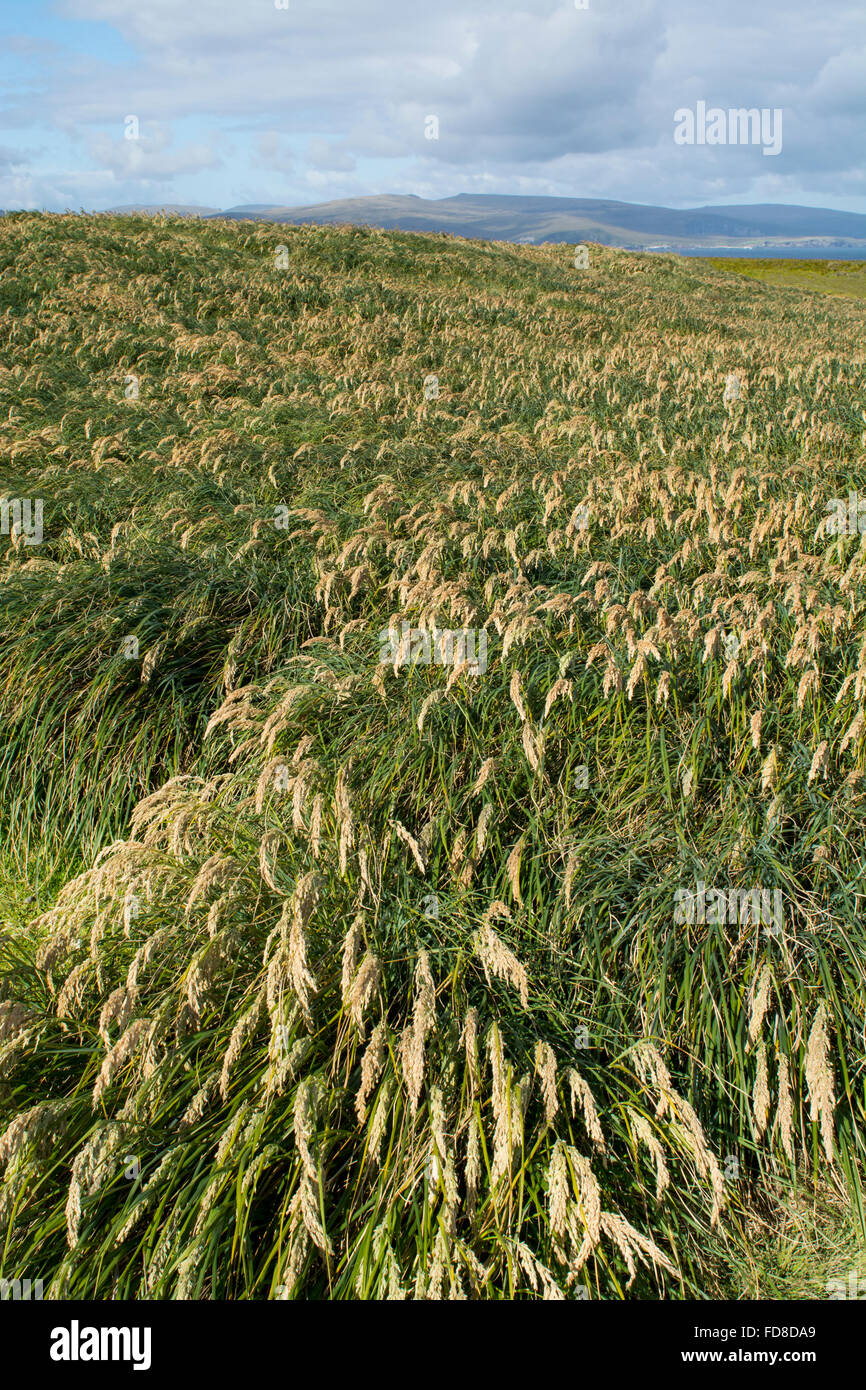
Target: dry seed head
point(276, 978)
point(630, 1242)
point(469, 1040)
point(644, 1132)
point(316, 824)
point(410, 840)
point(545, 1066)
point(732, 670)
point(303, 981)
point(481, 828)
point(512, 869)
point(508, 1131)
point(379, 1121)
point(267, 853)
point(458, 850)
point(309, 1190)
point(202, 974)
point(215, 870)
point(651, 1067)
point(436, 1115)
point(705, 1159)
point(371, 1069)
point(760, 1000)
point(306, 1099)
point(295, 914)
point(810, 684)
point(216, 912)
point(144, 955)
point(116, 1009)
point(41, 1125)
point(527, 1260)
point(438, 1267)
point(712, 644)
point(755, 729)
point(770, 773)
point(820, 762)
point(498, 1064)
point(538, 1274)
point(581, 1092)
point(364, 986)
point(429, 701)
point(853, 732)
point(71, 996)
point(243, 1029)
point(343, 812)
point(612, 677)
point(559, 688)
point(785, 1110)
point(486, 769)
point(299, 1245)
point(532, 747)
point(636, 675)
point(761, 1093)
point(125, 1048)
point(92, 1164)
point(472, 1168)
point(498, 960)
point(819, 1078)
point(412, 1043)
point(514, 691)
point(364, 869)
point(558, 1191)
point(589, 1193)
point(197, 1106)
point(351, 955)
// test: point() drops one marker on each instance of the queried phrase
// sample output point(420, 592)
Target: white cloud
point(273, 153)
point(150, 158)
point(329, 157)
point(529, 93)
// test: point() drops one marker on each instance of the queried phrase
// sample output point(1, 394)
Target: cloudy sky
point(242, 101)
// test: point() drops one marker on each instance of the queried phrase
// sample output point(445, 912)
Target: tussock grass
point(359, 992)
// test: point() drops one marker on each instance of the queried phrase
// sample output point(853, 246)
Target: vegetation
point(348, 978)
point(828, 277)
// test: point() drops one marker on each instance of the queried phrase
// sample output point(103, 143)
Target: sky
point(295, 102)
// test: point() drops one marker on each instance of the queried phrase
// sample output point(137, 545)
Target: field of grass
point(324, 975)
point(847, 278)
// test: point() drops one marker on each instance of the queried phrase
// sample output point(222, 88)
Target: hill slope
point(397, 974)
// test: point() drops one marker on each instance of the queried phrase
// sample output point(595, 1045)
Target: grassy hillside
point(829, 277)
point(332, 977)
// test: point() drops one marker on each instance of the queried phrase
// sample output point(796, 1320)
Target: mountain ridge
point(528, 219)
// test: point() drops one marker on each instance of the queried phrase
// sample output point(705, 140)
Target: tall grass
point(360, 991)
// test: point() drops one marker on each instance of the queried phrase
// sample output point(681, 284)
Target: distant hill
point(530, 220)
point(527, 219)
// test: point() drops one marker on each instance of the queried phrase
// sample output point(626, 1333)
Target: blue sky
point(239, 101)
